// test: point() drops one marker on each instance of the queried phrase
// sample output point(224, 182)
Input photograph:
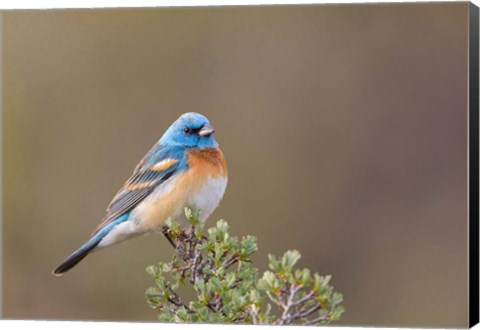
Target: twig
point(300, 301)
point(230, 261)
point(308, 312)
point(175, 299)
point(166, 233)
point(286, 317)
point(197, 258)
point(253, 311)
point(318, 319)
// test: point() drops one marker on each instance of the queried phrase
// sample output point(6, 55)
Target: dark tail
point(76, 256)
point(86, 248)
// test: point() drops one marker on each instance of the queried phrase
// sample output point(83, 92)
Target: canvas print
point(281, 165)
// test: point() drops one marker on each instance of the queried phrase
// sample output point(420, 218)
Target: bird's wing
point(155, 168)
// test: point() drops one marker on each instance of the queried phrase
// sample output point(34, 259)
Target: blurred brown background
point(344, 128)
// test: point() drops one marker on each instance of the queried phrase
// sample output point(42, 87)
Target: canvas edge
point(473, 166)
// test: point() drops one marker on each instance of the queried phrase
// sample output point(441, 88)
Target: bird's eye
point(187, 130)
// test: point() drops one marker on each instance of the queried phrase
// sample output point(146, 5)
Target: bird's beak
point(206, 129)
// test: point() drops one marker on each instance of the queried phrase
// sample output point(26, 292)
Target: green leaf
point(337, 312)
point(302, 276)
point(169, 222)
point(230, 279)
point(166, 268)
point(215, 284)
point(289, 259)
point(200, 285)
point(152, 270)
point(337, 298)
point(248, 246)
point(192, 215)
point(274, 264)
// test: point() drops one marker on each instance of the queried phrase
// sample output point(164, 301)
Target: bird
point(184, 168)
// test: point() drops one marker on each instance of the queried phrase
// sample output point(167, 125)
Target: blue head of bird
point(190, 130)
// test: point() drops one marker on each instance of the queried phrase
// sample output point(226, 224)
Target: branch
point(253, 311)
point(227, 263)
point(286, 317)
point(175, 299)
point(304, 313)
point(318, 319)
point(300, 301)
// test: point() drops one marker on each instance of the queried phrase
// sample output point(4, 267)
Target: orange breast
point(207, 162)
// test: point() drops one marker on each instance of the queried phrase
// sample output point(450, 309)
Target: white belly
point(166, 201)
point(208, 197)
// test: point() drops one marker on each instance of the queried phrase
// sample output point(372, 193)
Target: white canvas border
point(54, 4)
point(48, 4)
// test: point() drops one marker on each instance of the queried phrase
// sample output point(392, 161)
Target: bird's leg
point(165, 233)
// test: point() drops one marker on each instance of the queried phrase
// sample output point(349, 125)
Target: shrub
point(218, 268)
